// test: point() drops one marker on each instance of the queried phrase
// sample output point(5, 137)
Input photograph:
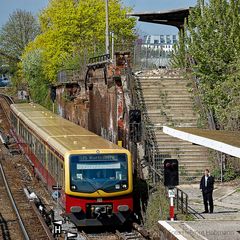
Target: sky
point(8, 6)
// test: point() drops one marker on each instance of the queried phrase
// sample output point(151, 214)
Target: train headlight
point(123, 208)
point(75, 209)
point(124, 186)
point(73, 187)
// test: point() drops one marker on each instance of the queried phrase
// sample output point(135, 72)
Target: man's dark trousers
point(207, 197)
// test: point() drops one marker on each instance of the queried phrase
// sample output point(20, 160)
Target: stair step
point(194, 168)
point(160, 98)
point(172, 116)
point(168, 105)
point(164, 82)
point(169, 112)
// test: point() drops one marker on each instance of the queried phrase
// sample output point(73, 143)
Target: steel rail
point(9, 101)
point(7, 97)
point(21, 224)
point(44, 225)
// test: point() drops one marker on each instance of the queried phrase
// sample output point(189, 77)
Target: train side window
point(50, 163)
point(37, 149)
point(42, 154)
point(24, 134)
point(55, 167)
point(59, 171)
point(62, 174)
point(12, 118)
point(20, 129)
point(28, 134)
point(34, 144)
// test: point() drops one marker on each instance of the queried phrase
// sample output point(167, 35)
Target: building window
point(174, 38)
point(168, 39)
point(162, 39)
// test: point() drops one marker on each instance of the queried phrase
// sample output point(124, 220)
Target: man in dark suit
point(207, 185)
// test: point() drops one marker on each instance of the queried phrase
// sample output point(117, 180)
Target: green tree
point(72, 30)
point(212, 41)
point(34, 75)
point(20, 29)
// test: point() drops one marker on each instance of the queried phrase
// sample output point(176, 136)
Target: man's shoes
point(211, 212)
point(205, 212)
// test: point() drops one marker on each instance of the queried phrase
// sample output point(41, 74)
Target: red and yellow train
point(95, 174)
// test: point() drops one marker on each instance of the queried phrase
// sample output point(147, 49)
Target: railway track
point(132, 235)
point(10, 225)
point(19, 218)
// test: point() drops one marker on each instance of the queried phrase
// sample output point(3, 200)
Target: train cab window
point(89, 173)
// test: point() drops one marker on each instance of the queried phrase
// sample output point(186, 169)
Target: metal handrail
point(181, 201)
point(99, 59)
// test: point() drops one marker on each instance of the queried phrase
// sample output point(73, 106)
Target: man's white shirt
point(206, 178)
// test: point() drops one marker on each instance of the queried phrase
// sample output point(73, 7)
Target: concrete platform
point(226, 198)
point(201, 230)
point(223, 224)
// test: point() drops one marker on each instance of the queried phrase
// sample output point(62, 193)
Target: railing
point(70, 75)
point(181, 201)
point(99, 59)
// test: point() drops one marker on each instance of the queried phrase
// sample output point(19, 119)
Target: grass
point(185, 217)
point(158, 209)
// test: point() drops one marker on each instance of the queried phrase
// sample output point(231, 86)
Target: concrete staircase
point(168, 102)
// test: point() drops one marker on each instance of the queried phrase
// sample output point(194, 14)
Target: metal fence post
point(186, 204)
point(181, 201)
point(177, 198)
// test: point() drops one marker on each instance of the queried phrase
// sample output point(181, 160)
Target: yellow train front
point(95, 174)
point(98, 187)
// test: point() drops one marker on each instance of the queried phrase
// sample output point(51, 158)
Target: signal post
point(171, 179)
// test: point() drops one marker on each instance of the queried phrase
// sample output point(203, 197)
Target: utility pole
point(107, 28)
point(112, 46)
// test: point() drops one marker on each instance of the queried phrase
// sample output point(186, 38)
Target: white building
point(165, 42)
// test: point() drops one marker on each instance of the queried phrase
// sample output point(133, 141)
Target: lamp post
point(107, 28)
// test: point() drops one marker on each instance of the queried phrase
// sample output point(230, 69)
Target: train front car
point(98, 186)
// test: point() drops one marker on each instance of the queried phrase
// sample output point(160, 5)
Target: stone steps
point(168, 102)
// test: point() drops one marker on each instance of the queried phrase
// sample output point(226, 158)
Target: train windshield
point(92, 172)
